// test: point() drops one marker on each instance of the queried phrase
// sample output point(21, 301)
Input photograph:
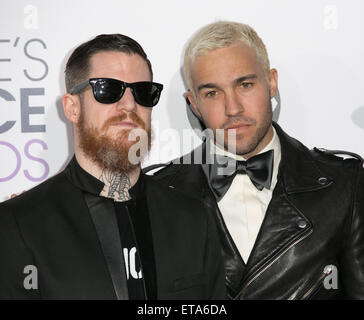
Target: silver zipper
point(256, 275)
point(327, 271)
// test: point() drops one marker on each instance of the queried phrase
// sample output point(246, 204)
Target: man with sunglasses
point(290, 219)
point(101, 229)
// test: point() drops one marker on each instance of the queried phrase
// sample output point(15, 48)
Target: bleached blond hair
point(219, 35)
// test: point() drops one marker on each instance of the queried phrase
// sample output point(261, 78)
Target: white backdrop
point(316, 45)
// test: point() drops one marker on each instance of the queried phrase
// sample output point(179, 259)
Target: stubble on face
point(111, 153)
point(248, 145)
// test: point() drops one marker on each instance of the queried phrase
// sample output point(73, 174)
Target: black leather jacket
point(311, 242)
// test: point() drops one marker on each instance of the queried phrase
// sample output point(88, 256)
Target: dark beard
point(110, 153)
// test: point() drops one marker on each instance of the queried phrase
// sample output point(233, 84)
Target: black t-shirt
point(137, 245)
point(130, 252)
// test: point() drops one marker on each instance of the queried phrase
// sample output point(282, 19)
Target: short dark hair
point(78, 64)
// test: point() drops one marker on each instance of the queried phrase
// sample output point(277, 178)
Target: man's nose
point(233, 103)
point(127, 101)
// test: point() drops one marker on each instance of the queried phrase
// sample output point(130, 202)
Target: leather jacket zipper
point(137, 246)
point(268, 264)
point(327, 271)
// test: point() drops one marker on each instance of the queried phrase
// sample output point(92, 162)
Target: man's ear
point(71, 107)
point(273, 82)
point(193, 104)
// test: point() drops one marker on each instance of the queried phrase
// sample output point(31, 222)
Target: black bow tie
point(259, 169)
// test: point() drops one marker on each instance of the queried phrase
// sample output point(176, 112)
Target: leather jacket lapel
point(285, 223)
point(102, 213)
point(284, 226)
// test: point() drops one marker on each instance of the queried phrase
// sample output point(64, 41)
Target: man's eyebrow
point(207, 86)
point(215, 86)
point(244, 78)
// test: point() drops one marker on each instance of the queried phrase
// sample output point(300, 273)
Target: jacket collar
point(298, 169)
point(82, 179)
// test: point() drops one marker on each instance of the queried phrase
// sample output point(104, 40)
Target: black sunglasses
point(106, 90)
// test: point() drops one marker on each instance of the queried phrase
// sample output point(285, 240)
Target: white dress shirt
point(243, 206)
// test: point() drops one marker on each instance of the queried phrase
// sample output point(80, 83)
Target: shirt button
point(302, 224)
point(322, 180)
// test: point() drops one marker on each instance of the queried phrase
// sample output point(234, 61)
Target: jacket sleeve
point(14, 258)
point(352, 274)
point(214, 266)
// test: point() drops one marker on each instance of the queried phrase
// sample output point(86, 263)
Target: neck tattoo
point(117, 185)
